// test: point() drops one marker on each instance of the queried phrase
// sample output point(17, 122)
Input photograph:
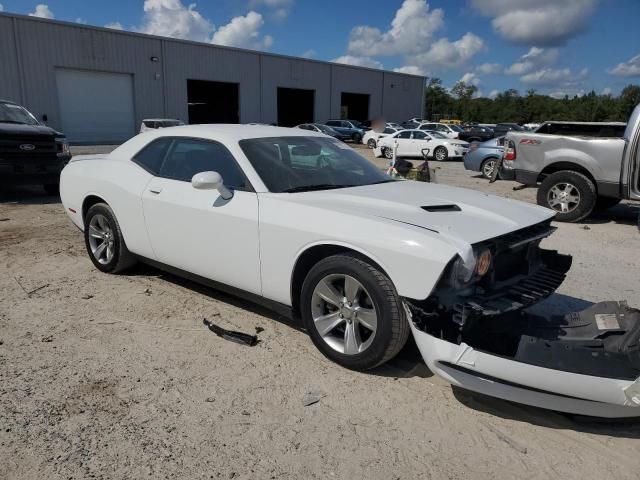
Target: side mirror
point(211, 181)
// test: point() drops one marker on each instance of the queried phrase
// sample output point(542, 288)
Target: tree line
point(532, 107)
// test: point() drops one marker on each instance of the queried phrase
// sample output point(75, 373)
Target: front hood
point(17, 130)
point(471, 216)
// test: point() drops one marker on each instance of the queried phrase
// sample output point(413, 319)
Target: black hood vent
point(442, 208)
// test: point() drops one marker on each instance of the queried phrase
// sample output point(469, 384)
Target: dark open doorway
point(213, 102)
point(354, 106)
point(295, 106)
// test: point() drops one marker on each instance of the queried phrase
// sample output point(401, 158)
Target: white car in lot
point(371, 137)
point(449, 131)
point(411, 143)
point(302, 223)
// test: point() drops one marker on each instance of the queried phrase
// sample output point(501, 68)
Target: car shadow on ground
point(625, 214)
point(27, 195)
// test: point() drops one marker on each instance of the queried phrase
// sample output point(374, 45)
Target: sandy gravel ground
point(115, 376)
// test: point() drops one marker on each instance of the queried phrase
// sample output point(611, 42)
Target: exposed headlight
point(483, 263)
point(462, 276)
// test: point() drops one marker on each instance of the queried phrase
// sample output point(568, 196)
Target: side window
point(388, 131)
point(333, 123)
point(405, 134)
point(442, 128)
point(500, 142)
point(188, 157)
point(346, 125)
point(150, 157)
point(419, 136)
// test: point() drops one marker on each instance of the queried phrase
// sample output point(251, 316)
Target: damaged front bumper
point(585, 363)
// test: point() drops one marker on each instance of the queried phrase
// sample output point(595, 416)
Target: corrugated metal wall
point(31, 50)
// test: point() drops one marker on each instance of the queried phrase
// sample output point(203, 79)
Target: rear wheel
point(488, 166)
point(441, 154)
point(371, 143)
point(104, 241)
point(353, 313)
point(356, 138)
point(52, 188)
point(571, 194)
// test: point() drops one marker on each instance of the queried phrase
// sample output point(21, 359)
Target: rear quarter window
point(151, 157)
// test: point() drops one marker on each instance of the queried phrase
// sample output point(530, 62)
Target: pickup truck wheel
point(352, 312)
point(371, 143)
point(104, 241)
point(52, 188)
point(441, 154)
point(571, 194)
point(605, 203)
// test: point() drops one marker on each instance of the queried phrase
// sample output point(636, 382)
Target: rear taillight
point(509, 151)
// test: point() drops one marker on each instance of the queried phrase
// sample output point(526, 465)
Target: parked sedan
point(298, 221)
point(482, 157)
point(372, 137)
point(351, 128)
point(411, 144)
point(450, 131)
point(476, 134)
point(327, 130)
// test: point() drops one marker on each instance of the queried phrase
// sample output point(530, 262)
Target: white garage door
point(96, 107)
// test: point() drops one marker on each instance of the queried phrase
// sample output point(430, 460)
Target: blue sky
point(554, 46)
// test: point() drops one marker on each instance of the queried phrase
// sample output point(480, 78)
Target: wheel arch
point(89, 201)
point(310, 256)
point(565, 165)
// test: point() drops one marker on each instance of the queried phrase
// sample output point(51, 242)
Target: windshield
point(288, 164)
point(357, 124)
point(10, 113)
point(456, 128)
point(435, 134)
point(325, 128)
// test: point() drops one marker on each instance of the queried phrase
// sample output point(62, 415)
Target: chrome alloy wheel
point(563, 197)
point(488, 167)
point(101, 239)
point(343, 314)
point(441, 154)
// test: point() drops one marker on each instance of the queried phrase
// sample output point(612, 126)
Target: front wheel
point(371, 143)
point(353, 313)
point(104, 241)
point(388, 153)
point(571, 194)
point(487, 168)
point(441, 154)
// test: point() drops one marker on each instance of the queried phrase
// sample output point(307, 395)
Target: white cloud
point(243, 31)
point(606, 91)
point(412, 29)
point(114, 26)
point(537, 22)
point(358, 61)
point(555, 77)
point(493, 94)
point(489, 68)
point(470, 79)
point(279, 9)
point(81, 20)
point(534, 59)
point(170, 18)
point(630, 68)
point(311, 53)
point(1, 8)
point(42, 11)
point(412, 69)
point(571, 92)
point(446, 54)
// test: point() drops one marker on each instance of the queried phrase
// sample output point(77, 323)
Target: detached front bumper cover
point(585, 363)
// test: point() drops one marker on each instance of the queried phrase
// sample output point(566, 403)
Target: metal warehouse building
point(97, 84)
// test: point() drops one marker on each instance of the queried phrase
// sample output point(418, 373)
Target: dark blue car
point(482, 157)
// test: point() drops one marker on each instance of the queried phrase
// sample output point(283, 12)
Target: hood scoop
point(442, 208)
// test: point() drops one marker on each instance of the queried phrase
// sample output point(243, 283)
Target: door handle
point(155, 190)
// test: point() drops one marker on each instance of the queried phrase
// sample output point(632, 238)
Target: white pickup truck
point(577, 175)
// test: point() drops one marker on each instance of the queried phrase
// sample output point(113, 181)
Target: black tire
point(485, 167)
point(578, 210)
point(122, 258)
point(356, 138)
point(388, 153)
point(392, 325)
point(371, 143)
point(52, 188)
point(441, 154)
point(605, 203)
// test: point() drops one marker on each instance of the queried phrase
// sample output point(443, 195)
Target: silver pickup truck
point(577, 175)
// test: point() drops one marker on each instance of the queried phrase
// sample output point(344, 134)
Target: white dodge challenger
point(301, 222)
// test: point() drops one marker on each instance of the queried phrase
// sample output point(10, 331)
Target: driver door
point(197, 230)
point(419, 141)
point(404, 143)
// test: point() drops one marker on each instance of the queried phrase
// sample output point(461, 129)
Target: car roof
point(234, 132)
point(160, 120)
point(619, 124)
point(2, 100)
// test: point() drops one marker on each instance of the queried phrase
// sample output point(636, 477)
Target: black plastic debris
point(232, 336)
